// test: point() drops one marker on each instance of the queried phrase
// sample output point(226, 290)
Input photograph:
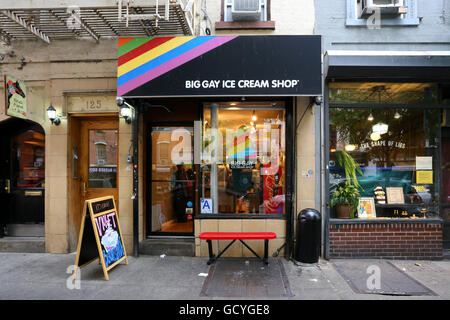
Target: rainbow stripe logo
point(144, 59)
point(242, 147)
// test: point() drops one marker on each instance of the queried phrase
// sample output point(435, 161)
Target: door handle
point(83, 188)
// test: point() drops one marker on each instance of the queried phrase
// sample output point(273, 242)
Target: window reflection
point(29, 156)
point(397, 151)
point(102, 159)
point(246, 143)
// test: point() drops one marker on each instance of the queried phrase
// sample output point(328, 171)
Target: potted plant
point(345, 198)
point(351, 167)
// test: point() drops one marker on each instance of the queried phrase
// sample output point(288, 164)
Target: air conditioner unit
point(246, 10)
point(387, 8)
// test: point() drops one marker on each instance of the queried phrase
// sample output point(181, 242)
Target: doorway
point(93, 165)
point(22, 178)
point(173, 180)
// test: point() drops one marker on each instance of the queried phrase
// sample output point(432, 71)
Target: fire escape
point(95, 19)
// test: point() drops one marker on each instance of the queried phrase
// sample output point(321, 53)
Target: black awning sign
point(241, 84)
point(220, 66)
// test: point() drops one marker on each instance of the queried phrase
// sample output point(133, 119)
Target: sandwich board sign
point(100, 235)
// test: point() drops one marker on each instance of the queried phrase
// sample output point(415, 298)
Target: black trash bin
point(309, 227)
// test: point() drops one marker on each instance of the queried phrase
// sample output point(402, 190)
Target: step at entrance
point(22, 244)
point(170, 247)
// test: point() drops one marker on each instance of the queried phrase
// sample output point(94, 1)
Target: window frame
point(268, 24)
point(326, 196)
point(409, 19)
point(100, 152)
point(289, 175)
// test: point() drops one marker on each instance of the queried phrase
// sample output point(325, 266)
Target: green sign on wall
point(16, 97)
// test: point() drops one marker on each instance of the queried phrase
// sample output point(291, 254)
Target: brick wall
point(386, 240)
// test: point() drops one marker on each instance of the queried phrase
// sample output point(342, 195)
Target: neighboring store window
point(384, 162)
point(29, 156)
point(102, 158)
point(243, 158)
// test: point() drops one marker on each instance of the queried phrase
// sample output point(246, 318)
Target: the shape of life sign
point(205, 205)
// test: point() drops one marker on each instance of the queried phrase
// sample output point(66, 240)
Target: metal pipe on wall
point(135, 196)
point(214, 151)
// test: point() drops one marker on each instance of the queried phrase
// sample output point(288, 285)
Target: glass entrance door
point(173, 181)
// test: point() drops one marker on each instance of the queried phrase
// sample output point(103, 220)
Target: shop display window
point(384, 162)
point(243, 158)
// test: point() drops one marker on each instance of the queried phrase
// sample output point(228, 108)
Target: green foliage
point(347, 194)
point(350, 166)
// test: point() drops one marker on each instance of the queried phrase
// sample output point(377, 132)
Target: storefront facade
point(386, 154)
point(70, 65)
point(385, 98)
point(80, 90)
point(218, 130)
point(74, 68)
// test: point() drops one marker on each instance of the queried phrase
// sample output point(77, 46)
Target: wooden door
point(98, 158)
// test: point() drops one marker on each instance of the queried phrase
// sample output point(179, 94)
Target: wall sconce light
point(51, 114)
point(125, 112)
point(125, 109)
point(318, 100)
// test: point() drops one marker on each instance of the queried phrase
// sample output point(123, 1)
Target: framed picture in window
point(394, 195)
point(366, 208)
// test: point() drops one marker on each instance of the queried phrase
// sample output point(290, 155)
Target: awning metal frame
point(386, 65)
point(12, 16)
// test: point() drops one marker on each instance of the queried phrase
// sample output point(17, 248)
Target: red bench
point(241, 236)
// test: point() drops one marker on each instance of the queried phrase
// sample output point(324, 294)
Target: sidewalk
point(43, 276)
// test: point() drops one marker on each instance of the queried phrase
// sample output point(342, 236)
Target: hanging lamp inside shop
point(380, 128)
